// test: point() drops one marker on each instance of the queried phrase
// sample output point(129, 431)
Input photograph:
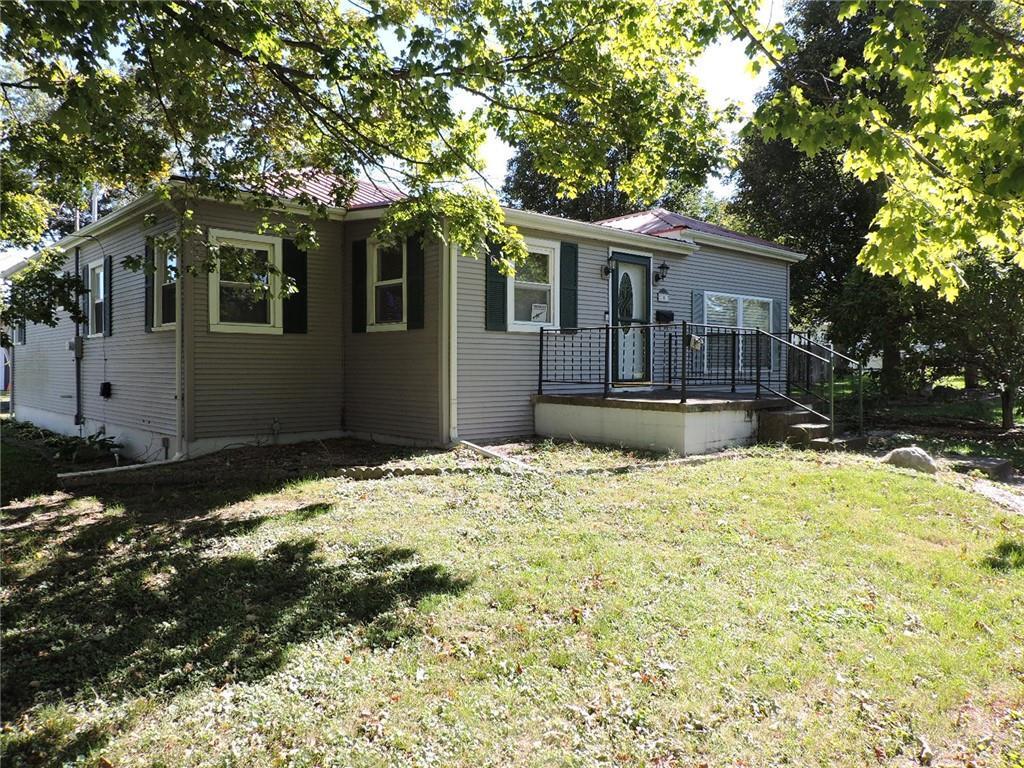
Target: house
point(415, 344)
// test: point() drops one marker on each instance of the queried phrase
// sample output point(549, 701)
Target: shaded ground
point(773, 608)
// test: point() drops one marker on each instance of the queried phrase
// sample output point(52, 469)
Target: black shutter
point(495, 293)
point(697, 307)
point(150, 275)
point(415, 282)
point(568, 269)
point(359, 286)
point(86, 296)
point(295, 305)
point(108, 300)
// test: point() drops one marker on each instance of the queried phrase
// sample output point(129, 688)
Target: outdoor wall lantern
point(607, 268)
point(661, 273)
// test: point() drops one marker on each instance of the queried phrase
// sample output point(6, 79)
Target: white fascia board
point(741, 246)
point(89, 231)
point(590, 231)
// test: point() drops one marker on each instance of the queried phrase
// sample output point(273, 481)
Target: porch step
point(775, 426)
point(802, 434)
point(844, 443)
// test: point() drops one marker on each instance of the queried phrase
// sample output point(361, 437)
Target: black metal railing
point(680, 356)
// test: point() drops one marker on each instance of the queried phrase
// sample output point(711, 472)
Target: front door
point(631, 314)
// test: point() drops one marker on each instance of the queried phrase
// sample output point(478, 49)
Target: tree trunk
point(1008, 397)
point(971, 376)
point(891, 379)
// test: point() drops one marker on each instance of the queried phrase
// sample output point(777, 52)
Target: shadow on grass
point(1006, 556)
point(143, 600)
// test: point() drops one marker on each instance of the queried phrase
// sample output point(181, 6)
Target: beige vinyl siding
point(260, 384)
point(497, 372)
point(138, 365)
point(392, 378)
point(43, 370)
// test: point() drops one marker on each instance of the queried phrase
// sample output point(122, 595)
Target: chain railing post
point(757, 362)
point(684, 355)
point(735, 357)
point(540, 363)
point(831, 396)
point(607, 360)
point(860, 396)
point(788, 353)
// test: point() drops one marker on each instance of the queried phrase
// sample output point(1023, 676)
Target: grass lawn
point(778, 608)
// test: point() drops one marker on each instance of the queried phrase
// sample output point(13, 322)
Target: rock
point(911, 458)
point(945, 394)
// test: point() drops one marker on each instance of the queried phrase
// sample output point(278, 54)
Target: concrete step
point(843, 443)
point(773, 426)
point(801, 434)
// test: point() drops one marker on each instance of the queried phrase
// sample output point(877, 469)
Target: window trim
point(554, 249)
point(274, 299)
point(372, 326)
point(100, 266)
point(159, 271)
point(740, 297)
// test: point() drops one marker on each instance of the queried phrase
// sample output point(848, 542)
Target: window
point(165, 281)
point(739, 311)
point(19, 333)
point(245, 294)
point(387, 287)
point(97, 298)
point(533, 290)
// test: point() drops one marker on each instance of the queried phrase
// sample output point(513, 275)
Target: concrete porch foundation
point(652, 420)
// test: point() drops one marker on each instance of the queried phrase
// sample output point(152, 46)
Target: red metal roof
point(322, 188)
point(664, 223)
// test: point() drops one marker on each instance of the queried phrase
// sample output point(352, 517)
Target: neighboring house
point(414, 344)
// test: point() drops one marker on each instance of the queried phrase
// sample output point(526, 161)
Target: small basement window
point(245, 295)
point(533, 290)
point(387, 287)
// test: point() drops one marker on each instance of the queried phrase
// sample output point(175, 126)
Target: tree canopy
point(254, 96)
point(946, 148)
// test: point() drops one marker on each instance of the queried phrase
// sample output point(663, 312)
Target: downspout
point(79, 348)
point(453, 340)
point(181, 450)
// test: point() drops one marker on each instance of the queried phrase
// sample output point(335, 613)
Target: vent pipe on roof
point(95, 207)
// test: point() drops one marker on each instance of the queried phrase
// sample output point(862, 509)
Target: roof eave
point(742, 246)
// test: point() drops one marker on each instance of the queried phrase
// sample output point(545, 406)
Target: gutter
point(593, 231)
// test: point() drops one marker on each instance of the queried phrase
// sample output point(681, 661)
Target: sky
point(722, 70)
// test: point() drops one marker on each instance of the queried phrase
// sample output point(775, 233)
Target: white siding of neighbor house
point(257, 386)
point(393, 378)
point(139, 365)
point(497, 371)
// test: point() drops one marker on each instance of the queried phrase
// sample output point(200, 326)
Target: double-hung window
point(165, 281)
point(97, 307)
point(19, 333)
point(244, 288)
point(723, 309)
point(387, 286)
point(533, 290)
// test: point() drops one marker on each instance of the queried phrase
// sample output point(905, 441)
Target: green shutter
point(495, 293)
point(415, 284)
point(150, 274)
point(568, 279)
point(359, 286)
point(697, 307)
point(108, 300)
point(294, 306)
